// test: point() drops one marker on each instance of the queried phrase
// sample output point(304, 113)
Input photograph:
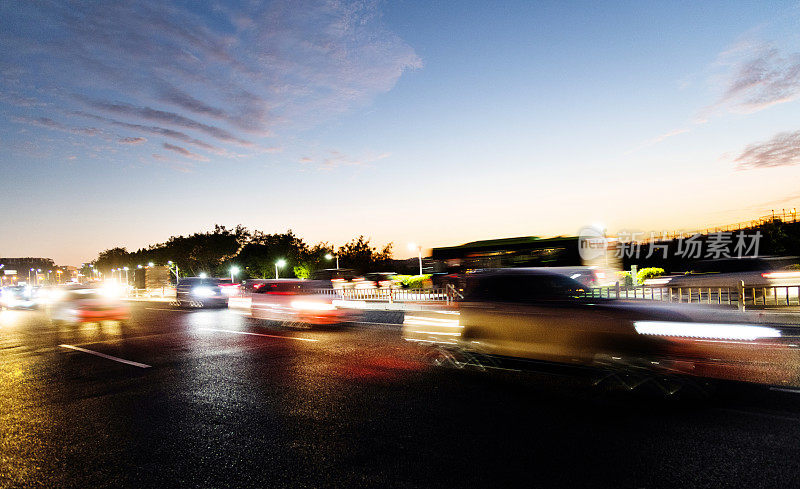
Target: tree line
point(254, 253)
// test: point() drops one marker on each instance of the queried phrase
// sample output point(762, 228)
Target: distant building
point(32, 270)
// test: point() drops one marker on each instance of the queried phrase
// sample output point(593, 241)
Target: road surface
point(210, 398)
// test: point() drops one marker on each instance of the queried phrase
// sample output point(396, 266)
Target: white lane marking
point(785, 389)
point(109, 357)
point(258, 334)
point(163, 309)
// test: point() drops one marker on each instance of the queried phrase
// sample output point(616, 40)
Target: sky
point(438, 123)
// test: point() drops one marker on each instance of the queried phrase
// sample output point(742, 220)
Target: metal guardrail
point(741, 296)
point(446, 294)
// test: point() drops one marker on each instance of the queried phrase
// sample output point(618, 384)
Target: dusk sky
point(124, 123)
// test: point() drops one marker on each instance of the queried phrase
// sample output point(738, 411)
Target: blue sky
point(432, 122)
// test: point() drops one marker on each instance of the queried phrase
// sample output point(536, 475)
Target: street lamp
point(150, 264)
point(234, 272)
point(126, 275)
point(330, 257)
point(203, 275)
point(175, 271)
point(279, 264)
point(412, 247)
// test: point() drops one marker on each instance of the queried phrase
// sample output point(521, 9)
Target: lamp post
point(412, 247)
point(330, 257)
point(279, 264)
point(234, 272)
point(126, 275)
point(170, 264)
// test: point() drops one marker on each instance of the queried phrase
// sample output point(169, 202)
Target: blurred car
point(538, 317)
point(200, 292)
point(228, 287)
point(379, 280)
point(82, 303)
point(590, 276)
point(19, 297)
point(296, 302)
point(340, 278)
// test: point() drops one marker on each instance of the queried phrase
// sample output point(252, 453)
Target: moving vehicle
point(590, 276)
point(82, 304)
point(19, 297)
point(340, 278)
point(200, 292)
point(299, 303)
point(379, 280)
point(538, 316)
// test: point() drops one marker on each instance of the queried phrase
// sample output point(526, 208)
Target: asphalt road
point(200, 404)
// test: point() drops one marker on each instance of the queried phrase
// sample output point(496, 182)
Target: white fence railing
point(741, 296)
point(446, 294)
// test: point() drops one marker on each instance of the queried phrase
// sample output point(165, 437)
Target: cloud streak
point(164, 117)
point(757, 75)
point(782, 150)
point(49, 123)
point(159, 131)
point(137, 140)
point(184, 152)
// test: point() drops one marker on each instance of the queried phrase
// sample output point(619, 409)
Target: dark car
point(200, 292)
point(381, 280)
point(544, 317)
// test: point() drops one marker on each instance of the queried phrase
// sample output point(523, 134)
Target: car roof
point(486, 272)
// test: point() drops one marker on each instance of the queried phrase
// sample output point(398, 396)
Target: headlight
point(717, 331)
point(203, 291)
point(110, 290)
point(312, 306)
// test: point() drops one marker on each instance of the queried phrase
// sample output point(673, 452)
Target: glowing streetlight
point(279, 264)
point(203, 275)
point(150, 264)
point(175, 270)
point(412, 247)
point(234, 272)
point(330, 257)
